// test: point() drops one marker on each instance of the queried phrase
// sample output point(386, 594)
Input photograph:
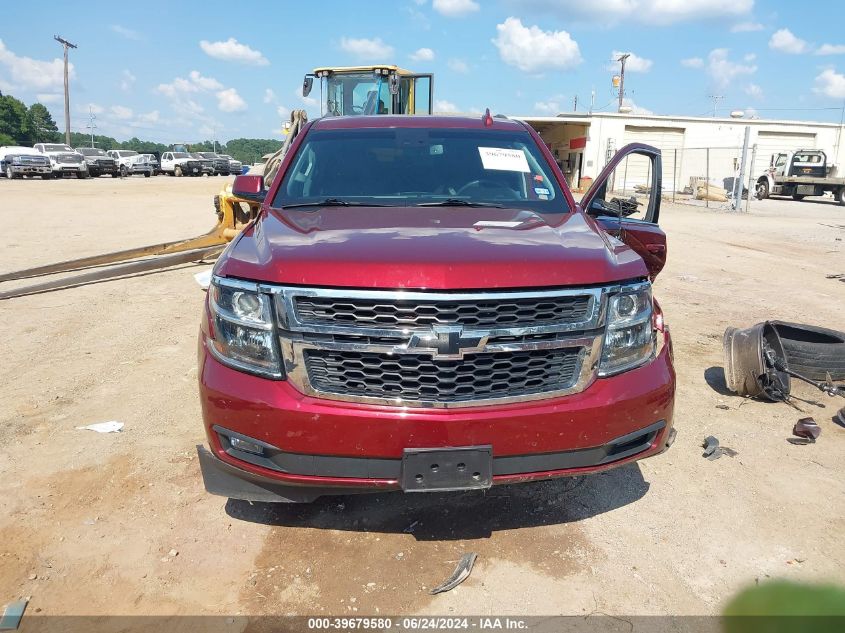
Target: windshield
point(410, 166)
point(357, 93)
point(57, 148)
point(91, 151)
point(208, 155)
point(127, 153)
point(180, 155)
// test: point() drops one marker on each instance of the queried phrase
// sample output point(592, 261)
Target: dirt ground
point(120, 524)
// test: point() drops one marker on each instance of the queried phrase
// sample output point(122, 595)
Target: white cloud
point(363, 48)
point(34, 74)
point(283, 113)
point(747, 27)
point(749, 57)
point(230, 101)
point(785, 42)
point(693, 62)
point(423, 55)
point(635, 109)
point(269, 96)
point(531, 49)
point(127, 81)
point(547, 107)
point(129, 34)
point(458, 66)
point(754, 91)
point(723, 71)
point(48, 98)
point(148, 117)
point(830, 84)
point(121, 112)
point(93, 108)
point(657, 12)
point(455, 8)
point(441, 105)
point(233, 51)
point(634, 63)
point(195, 83)
point(831, 49)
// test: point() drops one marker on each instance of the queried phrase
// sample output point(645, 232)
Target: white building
point(693, 147)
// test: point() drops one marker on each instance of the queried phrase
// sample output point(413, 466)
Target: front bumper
point(98, 169)
point(65, 168)
point(138, 169)
point(316, 447)
point(30, 169)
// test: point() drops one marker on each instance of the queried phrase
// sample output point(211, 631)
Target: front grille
point(478, 313)
point(34, 160)
point(419, 377)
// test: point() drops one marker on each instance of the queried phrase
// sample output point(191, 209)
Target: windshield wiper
point(332, 202)
point(458, 202)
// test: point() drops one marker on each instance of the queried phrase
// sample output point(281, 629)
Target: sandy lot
point(89, 522)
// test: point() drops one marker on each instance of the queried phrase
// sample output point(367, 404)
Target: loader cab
point(370, 90)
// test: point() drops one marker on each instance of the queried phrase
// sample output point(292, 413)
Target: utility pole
point(716, 99)
point(575, 105)
point(592, 100)
point(621, 60)
point(91, 125)
point(66, 45)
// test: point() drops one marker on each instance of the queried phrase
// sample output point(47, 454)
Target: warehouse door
point(769, 143)
point(667, 140)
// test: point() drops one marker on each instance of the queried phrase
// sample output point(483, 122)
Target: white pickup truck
point(130, 162)
point(180, 164)
point(64, 160)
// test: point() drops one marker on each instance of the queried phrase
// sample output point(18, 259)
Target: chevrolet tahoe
point(421, 305)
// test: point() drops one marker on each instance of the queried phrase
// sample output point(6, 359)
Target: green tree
point(78, 139)
point(44, 129)
point(250, 150)
point(14, 122)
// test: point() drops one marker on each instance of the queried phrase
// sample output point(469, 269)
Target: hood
point(428, 248)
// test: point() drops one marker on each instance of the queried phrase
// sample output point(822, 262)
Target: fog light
point(246, 446)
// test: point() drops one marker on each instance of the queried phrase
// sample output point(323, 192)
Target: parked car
point(221, 165)
point(206, 164)
point(16, 162)
point(154, 162)
point(64, 160)
point(98, 161)
point(436, 313)
point(180, 164)
point(130, 162)
point(235, 166)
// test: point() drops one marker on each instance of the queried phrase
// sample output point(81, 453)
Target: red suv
point(421, 305)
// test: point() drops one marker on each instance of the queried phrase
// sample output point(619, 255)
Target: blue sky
point(186, 70)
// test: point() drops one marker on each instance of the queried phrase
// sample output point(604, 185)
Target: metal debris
point(461, 573)
point(713, 451)
point(12, 615)
point(839, 418)
point(112, 426)
point(808, 429)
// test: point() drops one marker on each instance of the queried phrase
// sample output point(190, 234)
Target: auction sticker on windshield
point(504, 159)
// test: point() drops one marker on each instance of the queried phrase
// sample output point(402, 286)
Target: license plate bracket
point(447, 469)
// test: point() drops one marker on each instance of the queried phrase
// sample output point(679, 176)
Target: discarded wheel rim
point(746, 370)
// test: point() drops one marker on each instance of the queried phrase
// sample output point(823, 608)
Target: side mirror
point(307, 85)
point(249, 187)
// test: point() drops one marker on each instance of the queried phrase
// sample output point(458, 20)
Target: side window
point(630, 190)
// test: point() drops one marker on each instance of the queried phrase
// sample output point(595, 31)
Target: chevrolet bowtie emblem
point(447, 341)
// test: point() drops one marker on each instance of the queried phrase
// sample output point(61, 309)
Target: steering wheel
point(483, 183)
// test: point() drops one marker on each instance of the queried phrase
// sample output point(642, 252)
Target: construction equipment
point(365, 90)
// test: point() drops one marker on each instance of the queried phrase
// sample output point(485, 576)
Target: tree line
point(26, 126)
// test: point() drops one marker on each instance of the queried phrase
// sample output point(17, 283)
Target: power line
point(716, 99)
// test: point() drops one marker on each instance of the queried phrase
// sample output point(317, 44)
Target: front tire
point(762, 190)
point(147, 174)
point(10, 174)
point(840, 196)
point(123, 171)
point(177, 171)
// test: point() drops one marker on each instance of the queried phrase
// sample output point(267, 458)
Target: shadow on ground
point(715, 377)
point(454, 516)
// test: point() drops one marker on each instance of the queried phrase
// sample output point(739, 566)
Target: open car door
point(625, 201)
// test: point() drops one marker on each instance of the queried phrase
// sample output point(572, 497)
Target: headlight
point(629, 340)
point(242, 332)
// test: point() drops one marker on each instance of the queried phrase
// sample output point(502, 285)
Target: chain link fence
point(708, 176)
